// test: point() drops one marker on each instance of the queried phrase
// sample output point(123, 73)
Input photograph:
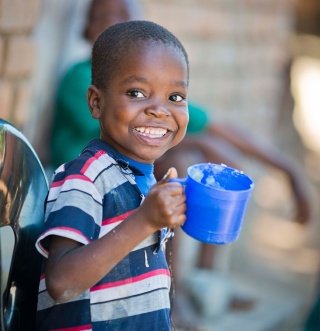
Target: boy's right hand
point(164, 206)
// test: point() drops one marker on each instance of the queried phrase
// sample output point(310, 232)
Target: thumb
point(171, 173)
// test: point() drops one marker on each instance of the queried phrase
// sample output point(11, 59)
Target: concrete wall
point(17, 58)
point(238, 53)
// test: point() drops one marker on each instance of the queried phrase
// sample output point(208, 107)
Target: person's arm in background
point(198, 138)
point(224, 143)
point(250, 146)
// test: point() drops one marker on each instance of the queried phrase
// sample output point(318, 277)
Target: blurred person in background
point(213, 142)
point(206, 141)
point(73, 125)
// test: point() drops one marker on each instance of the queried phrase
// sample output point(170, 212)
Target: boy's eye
point(176, 98)
point(135, 94)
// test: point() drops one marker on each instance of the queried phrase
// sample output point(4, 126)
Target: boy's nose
point(157, 111)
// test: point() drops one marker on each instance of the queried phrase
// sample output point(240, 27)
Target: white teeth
point(151, 132)
point(140, 129)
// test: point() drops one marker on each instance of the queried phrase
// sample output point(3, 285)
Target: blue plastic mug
point(217, 197)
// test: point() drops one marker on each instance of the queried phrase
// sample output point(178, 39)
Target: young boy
point(105, 267)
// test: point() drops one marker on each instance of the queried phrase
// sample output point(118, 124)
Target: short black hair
point(117, 40)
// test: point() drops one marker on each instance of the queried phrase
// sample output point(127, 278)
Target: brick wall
point(17, 58)
point(237, 48)
point(238, 52)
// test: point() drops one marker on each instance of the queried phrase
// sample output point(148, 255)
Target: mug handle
point(182, 181)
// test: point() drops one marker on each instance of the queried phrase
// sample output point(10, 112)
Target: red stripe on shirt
point(61, 182)
point(131, 280)
point(65, 228)
point(91, 160)
point(76, 328)
point(117, 218)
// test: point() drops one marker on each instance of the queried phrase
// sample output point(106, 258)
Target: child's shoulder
point(97, 161)
point(90, 163)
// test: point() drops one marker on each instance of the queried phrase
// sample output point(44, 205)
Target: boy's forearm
point(68, 260)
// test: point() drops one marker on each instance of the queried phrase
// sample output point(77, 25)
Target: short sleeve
point(73, 210)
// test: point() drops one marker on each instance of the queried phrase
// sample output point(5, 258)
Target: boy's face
point(143, 112)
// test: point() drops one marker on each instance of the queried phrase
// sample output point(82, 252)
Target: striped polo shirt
point(89, 197)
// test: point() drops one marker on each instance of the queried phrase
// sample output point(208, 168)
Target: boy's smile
point(152, 132)
point(143, 111)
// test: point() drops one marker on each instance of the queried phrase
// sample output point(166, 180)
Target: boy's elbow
point(58, 292)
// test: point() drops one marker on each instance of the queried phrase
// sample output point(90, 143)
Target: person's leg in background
point(184, 315)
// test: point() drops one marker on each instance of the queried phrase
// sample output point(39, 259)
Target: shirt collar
point(137, 168)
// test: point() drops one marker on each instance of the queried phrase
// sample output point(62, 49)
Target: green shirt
point(198, 119)
point(73, 126)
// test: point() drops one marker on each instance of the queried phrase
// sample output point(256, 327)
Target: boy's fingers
point(171, 173)
point(173, 188)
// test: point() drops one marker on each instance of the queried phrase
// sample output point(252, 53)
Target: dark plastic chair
point(23, 189)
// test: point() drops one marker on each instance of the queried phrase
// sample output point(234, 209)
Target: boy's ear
point(94, 101)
